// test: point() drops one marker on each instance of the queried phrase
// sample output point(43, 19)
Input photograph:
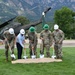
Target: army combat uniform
point(32, 42)
point(9, 41)
point(58, 37)
point(46, 42)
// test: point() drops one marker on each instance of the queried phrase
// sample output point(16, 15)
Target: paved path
point(66, 43)
point(69, 43)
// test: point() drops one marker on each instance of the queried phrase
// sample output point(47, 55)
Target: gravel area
point(66, 43)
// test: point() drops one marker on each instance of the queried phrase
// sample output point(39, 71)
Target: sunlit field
point(66, 67)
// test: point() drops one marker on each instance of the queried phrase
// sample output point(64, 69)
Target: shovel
point(33, 56)
point(25, 57)
point(53, 56)
point(41, 55)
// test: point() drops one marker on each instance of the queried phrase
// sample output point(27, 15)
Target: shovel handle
point(9, 47)
point(24, 51)
point(32, 50)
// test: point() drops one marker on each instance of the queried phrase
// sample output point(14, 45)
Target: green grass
point(66, 67)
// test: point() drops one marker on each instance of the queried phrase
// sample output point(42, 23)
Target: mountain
point(32, 9)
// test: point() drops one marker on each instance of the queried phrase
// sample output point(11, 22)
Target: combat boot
point(60, 57)
point(41, 52)
point(12, 58)
point(47, 54)
point(35, 53)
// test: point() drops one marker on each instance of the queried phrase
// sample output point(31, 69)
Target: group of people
point(47, 39)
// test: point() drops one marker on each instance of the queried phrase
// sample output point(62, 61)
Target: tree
point(65, 18)
point(23, 20)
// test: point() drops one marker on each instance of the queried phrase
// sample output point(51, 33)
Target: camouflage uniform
point(46, 42)
point(9, 41)
point(32, 42)
point(58, 37)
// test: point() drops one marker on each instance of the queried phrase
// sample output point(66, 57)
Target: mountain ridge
point(32, 9)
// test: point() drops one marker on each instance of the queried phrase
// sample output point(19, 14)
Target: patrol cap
point(46, 26)
point(32, 29)
point(11, 31)
point(56, 27)
point(22, 31)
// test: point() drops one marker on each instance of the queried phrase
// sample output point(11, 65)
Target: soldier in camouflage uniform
point(46, 38)
point(9, 42)
point(32, 35)
point(58, 37)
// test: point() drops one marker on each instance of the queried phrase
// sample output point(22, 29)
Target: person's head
point(32, 29)
point(46, 27)
point(22, 31)
point(11, 31)
point(56, 27)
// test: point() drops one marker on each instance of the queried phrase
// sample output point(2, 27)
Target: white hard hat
point(11, 31)
point(56, 27)
point(22, 31)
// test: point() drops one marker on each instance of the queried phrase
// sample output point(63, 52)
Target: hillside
point(32, 9)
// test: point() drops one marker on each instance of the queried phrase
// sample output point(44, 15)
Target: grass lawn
point(66, 67)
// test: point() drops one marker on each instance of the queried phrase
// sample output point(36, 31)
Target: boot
point(12, 58)
point(30, 54)
point(60, 57)
point(48, 54)
point(35, 53)
point(41, 52)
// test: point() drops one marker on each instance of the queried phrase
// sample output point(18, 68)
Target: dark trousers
point(19, 49)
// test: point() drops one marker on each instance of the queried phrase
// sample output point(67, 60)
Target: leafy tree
point(65, 19)
point(23, 20)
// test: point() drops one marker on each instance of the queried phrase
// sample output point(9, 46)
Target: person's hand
point(32, 47)
point(5, 39)
point(42, 38)
point(30, 41)
point(24, 42)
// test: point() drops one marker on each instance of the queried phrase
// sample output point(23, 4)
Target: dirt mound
point(37, 60)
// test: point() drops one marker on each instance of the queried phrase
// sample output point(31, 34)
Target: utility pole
point(43, 19)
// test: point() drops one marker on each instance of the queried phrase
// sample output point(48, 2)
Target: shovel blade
point(24, 57)
point(41, 56)
point(13, 56)
point(33, 56)
point(53, 56)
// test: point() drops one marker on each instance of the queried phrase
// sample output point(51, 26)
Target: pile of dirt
point(37, 60)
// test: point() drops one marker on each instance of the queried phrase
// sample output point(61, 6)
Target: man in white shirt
point(20, 40)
